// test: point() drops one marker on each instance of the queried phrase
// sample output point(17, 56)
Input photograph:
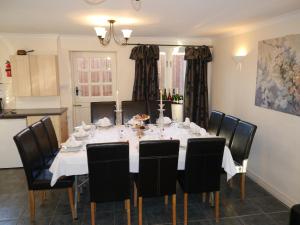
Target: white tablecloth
point(75, 163)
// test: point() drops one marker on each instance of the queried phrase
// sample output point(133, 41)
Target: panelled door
point(94, 79)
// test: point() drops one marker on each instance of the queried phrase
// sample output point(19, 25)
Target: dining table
point(74, 163)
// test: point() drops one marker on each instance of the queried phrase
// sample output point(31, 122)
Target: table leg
point(76, 197)
point(212, 199)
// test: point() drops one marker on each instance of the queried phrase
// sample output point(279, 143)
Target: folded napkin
point(166, 120)
point(104, 122)
point(133, 121)
point(85, 126)
point(81, 132)
point(71, 143)
point(197, 129)
point(187, 122)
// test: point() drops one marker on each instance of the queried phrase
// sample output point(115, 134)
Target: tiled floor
point(259, 207)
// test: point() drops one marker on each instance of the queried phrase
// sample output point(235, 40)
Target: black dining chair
point(214, 123)
point(132, 108)
point(202, 172)
point(109, 176)
point(228, 126)
point(240, 150)
point(157, 173)
point(38, 177)
point(103, 109)
point(153, 112)
point(295, 215)
point(41, 136)
point(48, 125)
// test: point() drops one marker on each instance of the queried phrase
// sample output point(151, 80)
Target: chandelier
point(136, 4)
point(105, 36)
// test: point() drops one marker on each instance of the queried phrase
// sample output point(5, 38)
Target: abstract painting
point(278, 74)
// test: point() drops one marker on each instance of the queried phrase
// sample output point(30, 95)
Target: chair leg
point(134, 195)
point(140, 208)
point(32, 205)
point(185, 208)
point(71, 201)
point(217, 205)
point(166, 200)
point(230, 182)
point(174, 209)
point(127, 202)
point(242, 180)
point(204, 196)
point(93, 209)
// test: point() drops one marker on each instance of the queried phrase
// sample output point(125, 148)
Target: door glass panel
point(96, 90)
point(82, 63)
point(95, 76)
point(107, 90)
point(84, 90)
point(106, 76)
point(83, 77)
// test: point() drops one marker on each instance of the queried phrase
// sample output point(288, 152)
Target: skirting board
point(271, 189)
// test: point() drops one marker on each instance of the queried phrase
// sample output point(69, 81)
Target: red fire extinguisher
point(8, 69)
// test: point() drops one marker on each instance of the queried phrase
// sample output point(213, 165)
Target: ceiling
point(156, 18)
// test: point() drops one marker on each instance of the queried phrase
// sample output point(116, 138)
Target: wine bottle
point(169, 96)
point(165, 97)
point(173, 96)
point(177, 96)
point(181, 99)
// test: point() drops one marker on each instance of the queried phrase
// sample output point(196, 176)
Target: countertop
point(23, 113)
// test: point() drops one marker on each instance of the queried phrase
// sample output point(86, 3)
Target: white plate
point(98, 125)
point(86, 128)
point(71, 149)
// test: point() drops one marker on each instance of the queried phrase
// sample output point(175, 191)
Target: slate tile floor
point(259, 207)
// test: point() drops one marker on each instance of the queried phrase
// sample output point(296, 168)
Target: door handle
point(76, 91)
point(76, 105)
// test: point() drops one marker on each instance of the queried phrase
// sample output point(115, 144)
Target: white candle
point(160, 98)
point(117, 101)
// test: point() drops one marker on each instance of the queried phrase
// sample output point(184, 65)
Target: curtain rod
point(169, 45)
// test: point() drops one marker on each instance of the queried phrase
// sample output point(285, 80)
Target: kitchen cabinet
point(35, 75)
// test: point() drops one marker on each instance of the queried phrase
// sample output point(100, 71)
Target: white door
point(94, 79)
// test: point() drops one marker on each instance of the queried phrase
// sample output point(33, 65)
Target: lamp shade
point(126, 33)
point(100, 31)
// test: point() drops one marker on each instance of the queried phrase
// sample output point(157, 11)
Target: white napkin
point(85, 126)
point(187, 122)
point(81, 132)
point(133, 121)
point(167, 120)
point(104, 122)
point(71, 143)
point(197, 129)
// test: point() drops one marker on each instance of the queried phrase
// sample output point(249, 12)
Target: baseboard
point(271, 189)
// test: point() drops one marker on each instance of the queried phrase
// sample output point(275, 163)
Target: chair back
point(41, 136)
point(31, 157)
point(153, 107)
point(242, 141)
point(214, 123)
point(203, 164)
point(109, 177)
point(51, 133)
point(131, 108)
point(103, 109)
point(157, 167)
point(228, 126)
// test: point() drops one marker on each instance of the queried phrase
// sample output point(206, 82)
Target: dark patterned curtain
point(195, 89)
point(146, 86)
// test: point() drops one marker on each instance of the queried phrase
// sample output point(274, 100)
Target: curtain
point(195, 89)
point(146, 86)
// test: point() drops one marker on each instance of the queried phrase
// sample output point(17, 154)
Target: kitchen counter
point(23, 113)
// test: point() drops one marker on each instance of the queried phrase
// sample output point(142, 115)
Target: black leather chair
point(157, 173)
point(51, 134)
point(109, 175)
point(214, 123)
point(240, 149)
point(103, 109)
point(228, 126)
point(38, 178)
point(153, 107)
point(131, 108)
point(41, 136)
point(295, 215)
point(203, 167)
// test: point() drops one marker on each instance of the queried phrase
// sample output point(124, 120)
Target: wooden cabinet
point(60, 124)
point(35, 75)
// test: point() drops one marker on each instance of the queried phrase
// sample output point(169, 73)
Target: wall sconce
point(239, 60)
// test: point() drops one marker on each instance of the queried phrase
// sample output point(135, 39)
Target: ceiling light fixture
point(136, 4)
point(105, 37)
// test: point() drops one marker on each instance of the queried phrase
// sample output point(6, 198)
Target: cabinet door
point(20, 75)
point(44, 75)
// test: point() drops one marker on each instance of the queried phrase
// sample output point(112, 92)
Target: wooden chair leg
point(230, 182)
point(185, 208)
point(243, 180)
point(32, 205)
point(174, 209)
point(204, 196)
point(166, 200)
point(134, 195)
point(127, 202)
point(140, 208)
point(44, 195)
point(71, 201)
point(217, 205)
point(93, 209)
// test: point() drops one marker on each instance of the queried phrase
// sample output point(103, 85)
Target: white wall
point(275, 157)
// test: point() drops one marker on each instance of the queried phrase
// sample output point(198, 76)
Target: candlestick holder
point(118, 117)
point(161, 115)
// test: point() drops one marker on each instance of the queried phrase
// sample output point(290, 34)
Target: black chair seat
point(43, 179)
point(295, 215)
